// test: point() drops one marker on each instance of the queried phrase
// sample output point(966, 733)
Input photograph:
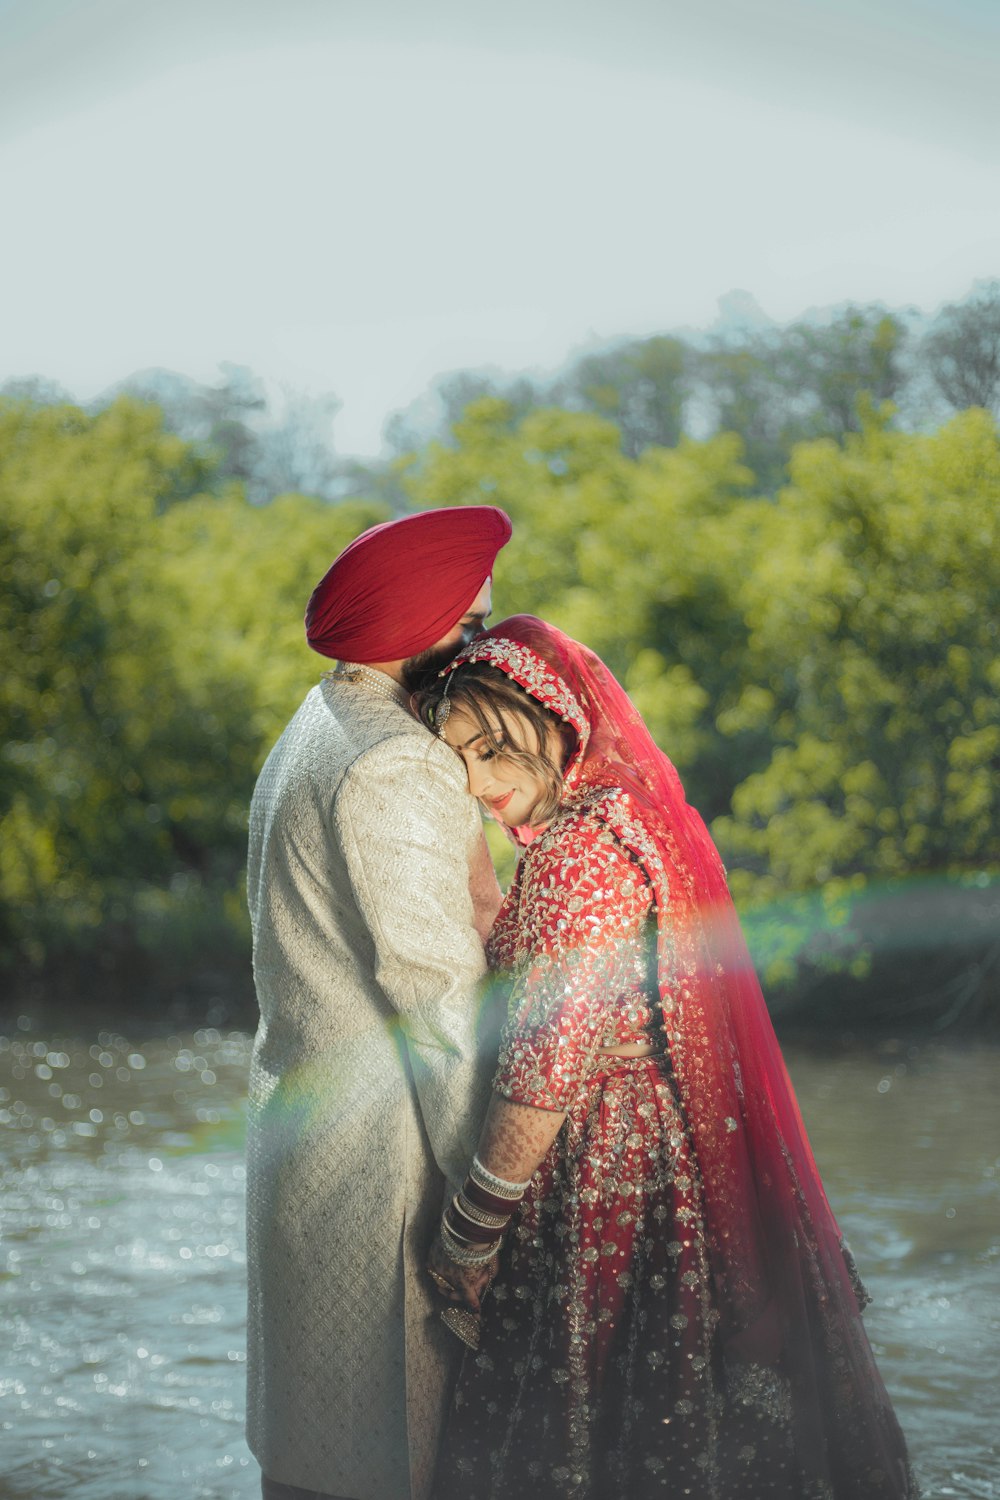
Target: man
point(370, 890)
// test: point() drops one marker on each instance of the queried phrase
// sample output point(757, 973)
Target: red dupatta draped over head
point(784, 1283)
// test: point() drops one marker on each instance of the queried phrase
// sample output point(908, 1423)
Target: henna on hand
point(468, 1283)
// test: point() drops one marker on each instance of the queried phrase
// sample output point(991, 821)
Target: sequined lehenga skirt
point(598, 1375)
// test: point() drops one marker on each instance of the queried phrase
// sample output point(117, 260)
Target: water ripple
point(122, 1268)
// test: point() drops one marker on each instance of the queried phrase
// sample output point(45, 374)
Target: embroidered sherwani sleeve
point(407, 827)
point(583, 907)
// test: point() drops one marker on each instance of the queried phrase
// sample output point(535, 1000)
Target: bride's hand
point(459, 1283)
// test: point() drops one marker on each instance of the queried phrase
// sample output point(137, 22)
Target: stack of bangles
point(473, 1224)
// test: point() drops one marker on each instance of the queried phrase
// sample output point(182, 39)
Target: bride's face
point(506, 788)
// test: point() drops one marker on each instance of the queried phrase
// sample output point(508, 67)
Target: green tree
point(740, 386)
point(154, 649)
point(434, 416)
point(642, 386)
point(833, 373)
point(871, 608)
point(805, 381)
point(822, 665)
point(962, 350)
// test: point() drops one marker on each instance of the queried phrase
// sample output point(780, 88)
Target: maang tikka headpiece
point(442, 710)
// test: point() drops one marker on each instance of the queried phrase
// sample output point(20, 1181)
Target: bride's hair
point(512, 723)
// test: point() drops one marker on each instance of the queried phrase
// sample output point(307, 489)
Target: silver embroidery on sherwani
point(369, 1079)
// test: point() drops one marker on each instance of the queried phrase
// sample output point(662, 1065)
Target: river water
point(122, 1266)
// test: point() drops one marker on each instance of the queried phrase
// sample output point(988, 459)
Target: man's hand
point(467, 1283)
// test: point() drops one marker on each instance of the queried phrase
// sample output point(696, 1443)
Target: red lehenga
point(675, 1313)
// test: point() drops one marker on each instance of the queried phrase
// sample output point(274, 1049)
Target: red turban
point(402, 586)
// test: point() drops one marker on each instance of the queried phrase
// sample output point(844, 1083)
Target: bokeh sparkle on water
point(122, 1268)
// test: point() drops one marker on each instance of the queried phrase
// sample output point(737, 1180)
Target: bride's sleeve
point(584, 904)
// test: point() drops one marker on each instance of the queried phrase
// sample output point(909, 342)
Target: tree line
point(772, 385)
point(821, 663)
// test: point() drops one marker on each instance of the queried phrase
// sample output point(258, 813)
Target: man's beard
point(420, 671)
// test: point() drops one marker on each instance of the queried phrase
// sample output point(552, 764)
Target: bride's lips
point(499, 803)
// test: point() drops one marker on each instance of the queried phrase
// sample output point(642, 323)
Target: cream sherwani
point(368, 1085)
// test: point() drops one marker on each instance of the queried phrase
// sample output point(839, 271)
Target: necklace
point(379, 683)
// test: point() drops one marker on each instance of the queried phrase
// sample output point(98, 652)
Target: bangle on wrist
point(488, 1203)
point(468, 1229)
point(475, 1214)
point(465, 1255)
point(498, 1186)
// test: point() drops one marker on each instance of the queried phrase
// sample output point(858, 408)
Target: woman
point(673, 1310)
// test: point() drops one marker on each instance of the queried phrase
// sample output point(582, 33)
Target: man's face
point(419, 670)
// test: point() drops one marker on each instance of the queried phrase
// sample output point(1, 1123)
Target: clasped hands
point(464, 1284)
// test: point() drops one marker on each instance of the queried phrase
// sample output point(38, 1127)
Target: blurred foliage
point(962, 350)
point(821, 663)
point(641, 386)
point(772, 386)
point(822, 666)
point(152, 651)
point(872, 654)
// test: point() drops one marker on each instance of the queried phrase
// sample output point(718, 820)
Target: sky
point(352, 196)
